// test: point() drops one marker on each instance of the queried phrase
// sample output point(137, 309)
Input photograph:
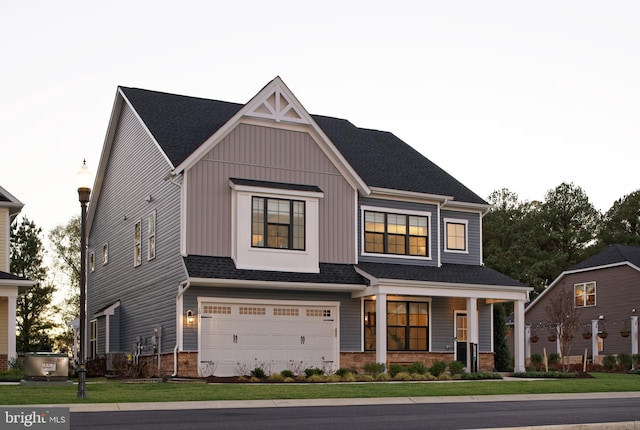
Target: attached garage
point(236, 335)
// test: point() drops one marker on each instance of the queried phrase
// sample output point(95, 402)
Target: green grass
point(103, 391)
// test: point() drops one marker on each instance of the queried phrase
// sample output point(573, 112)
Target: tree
point(621, 223)
point(33, 320)
point(563, 316)
point(502, 356)
point(65, 241)
point(571, 225)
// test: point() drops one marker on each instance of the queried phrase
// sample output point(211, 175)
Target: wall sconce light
point(601, 317)
point(190, 317)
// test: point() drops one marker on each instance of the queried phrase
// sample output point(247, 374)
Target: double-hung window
point(585, 294)
point(407, 326)
point(277, 223)
point(396, 233)
point(151, 239)
point(456, 235)
point(137, 244)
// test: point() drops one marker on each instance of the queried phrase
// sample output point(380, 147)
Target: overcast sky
point(501, 94)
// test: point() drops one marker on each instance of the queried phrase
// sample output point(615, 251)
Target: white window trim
point(137, 243)
point(388, 210)
point(595, 293)
point(105, 253)
point(150, 236)
point(466, 235)
point(256, 258)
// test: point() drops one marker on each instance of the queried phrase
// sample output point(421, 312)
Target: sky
point(523, 95)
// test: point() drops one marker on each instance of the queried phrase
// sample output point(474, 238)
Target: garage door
point(236, 337)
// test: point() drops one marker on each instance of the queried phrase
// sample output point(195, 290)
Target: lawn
point(110, 391)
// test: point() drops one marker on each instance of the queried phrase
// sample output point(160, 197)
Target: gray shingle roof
point(180, 124)
point(199, 266)
point(11, 277)
point(611, 255)
point(448, 273)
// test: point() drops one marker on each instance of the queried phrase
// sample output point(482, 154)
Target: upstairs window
point(277, 223)
point(105, 253)
point(137, 244)
point(396, 233)
point(151, 240)
point(456, 235)
point(585, 294)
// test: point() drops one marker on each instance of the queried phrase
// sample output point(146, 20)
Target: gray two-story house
point(227, 236)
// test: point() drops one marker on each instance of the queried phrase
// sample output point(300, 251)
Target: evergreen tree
point(502, 356)
point(33, 320)
point(621, 224)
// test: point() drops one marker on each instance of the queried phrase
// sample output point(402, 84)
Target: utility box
point(46, 366)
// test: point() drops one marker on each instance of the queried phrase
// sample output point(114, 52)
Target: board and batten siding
point(133, 188)
point(390, 206)
point(350, 327)
point(473, 255)
point(266, 154)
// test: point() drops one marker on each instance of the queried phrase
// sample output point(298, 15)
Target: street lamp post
point(84, 192)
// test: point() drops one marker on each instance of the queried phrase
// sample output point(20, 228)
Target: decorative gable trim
point(278, 105)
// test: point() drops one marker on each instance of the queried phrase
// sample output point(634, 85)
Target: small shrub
point(350, 377)
point(287, 373)
point(456, 368)
point(12, 375)
point(418, 377)
point(625, 362)
point(276, 377)
point(334, 378)
point(402, 376)
point(365, 378)
point(609, 363)
point(536, 361)
point(636, 360)
point(374, 368)
point(289, 379)
point(382, 377)
point(554, 358)
point(418, 367)
point(444, 377)
point(313, 371)
point(396, 368)
point(255, 379)
point(317, 378)
point(438, 368)
point(258, 372)
point(342, 372)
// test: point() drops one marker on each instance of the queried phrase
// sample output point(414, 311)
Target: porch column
point(472, 332)
point(381, 328)
point(11, 326)
point(518, 336)
point(634, 334)
point(594, 340)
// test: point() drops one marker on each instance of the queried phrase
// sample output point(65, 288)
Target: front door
point(461, 337)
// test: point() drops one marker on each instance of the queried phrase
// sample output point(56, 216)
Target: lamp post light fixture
point(84, 192)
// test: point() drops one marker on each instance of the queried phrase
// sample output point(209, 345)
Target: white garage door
point(237, 336)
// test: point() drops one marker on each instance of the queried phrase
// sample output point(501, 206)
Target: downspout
point(182, 288)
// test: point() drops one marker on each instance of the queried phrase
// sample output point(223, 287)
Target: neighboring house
point(10, 285)
point(606, 292)
point(228, 236)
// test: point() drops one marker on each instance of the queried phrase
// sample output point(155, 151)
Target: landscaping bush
point(313, 371)
point(536, 361)
point(342, 372)
point(287, 373)
point(418, 367)
point(456, 368)
point(12, 375)
point(396, 368)
point(636, 360)
point(438, 368)
point(553, 359)
point(624, 362)
point(402, 376)
point(374, 368)
point(609, 363)
point(258, 372)
point(276, 377)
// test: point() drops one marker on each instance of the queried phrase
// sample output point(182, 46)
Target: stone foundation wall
point(187, 365)
point(4, 361)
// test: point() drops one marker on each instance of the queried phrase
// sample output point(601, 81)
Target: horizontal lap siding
point(617, 294)
point(474, 239)
point(268, 154)
point(136, 170)
point(349, 310)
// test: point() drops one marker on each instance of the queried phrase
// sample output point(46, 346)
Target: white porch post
point(518, 336)
point(472, 329)
point(634, 334)
point(11, 327)
point(594, 340)
point(381, 328)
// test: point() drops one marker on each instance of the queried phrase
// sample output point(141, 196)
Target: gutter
point(182, 288)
